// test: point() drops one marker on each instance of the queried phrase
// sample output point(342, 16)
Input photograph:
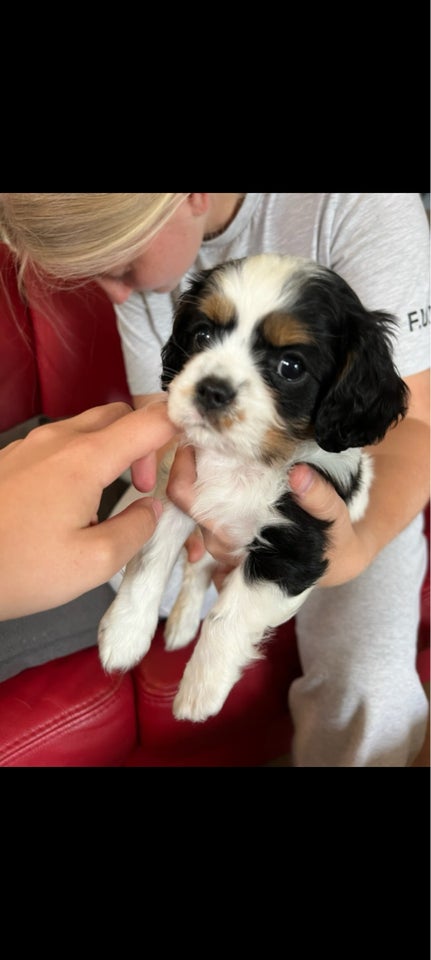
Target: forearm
point(399, 492)
point(400, 488)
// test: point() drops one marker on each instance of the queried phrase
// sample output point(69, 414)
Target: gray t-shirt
point(379, 243)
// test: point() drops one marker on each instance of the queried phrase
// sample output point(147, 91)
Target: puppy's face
point(257, 345)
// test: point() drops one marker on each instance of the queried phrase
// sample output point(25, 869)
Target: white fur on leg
point(229, 639)
point(128, 626)
point(185, 617)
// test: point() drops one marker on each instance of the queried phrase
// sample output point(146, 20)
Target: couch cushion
point(35, 639)
point(253, 727)
point(67, 713)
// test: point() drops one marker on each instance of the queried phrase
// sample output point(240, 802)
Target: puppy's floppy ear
point(368, 395)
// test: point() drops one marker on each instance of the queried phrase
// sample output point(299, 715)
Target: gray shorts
point(30, 641)
point(360, 701)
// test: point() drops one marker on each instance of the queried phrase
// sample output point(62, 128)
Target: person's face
point(163, 262)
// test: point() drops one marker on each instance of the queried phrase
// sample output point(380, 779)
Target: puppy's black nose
point(213, 393)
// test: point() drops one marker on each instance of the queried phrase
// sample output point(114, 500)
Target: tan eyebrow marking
point(217, 308)
point(282, 329)
point(279, 443)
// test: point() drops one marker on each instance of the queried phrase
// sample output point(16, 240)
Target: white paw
point(185, 618)
point(181, 628)
point(197, 700)
point(124, 638)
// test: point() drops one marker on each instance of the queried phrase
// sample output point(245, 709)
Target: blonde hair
point(69, 236)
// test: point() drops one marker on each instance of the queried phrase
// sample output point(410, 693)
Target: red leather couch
point(57, 360)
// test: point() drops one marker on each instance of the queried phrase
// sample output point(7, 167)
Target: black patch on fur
point(293, 556)
point(294, 400)
point(189, 317)
point(366, 396)
point(346, 491)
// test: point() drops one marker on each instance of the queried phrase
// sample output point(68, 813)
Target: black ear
point(368, 395)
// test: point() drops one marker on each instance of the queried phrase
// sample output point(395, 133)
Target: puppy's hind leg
point(230, 638)
point(184, 618)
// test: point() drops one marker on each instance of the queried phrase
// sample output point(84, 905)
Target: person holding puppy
point(359, 701)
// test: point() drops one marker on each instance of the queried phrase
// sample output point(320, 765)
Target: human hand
point(52, 549)
point(349, 551)
point(144, 471)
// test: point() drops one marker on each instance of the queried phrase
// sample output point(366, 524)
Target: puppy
point(272, 361)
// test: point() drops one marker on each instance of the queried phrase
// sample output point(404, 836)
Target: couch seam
point(67, 720)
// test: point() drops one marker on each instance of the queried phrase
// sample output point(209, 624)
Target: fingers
point(11, 447)
point(97, 417)
point(181, 479)
point(220, 547)
point(56, 434)
point(144, 472)
point(313, 493)
point(149, 399)
point(220, 574)
point(131, 438)
point(115, 541)
point(350, 550)
point(110, 438)
point(195, 546)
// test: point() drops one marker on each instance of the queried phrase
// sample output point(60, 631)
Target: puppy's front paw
point(198, 699)
point(123, 638)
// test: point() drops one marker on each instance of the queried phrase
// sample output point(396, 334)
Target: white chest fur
point(241, 497)
point(238, 496)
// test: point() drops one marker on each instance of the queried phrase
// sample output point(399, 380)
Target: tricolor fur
point(272, 361)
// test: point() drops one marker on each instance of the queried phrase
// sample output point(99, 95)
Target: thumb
point(121, 536)
point(313, 493)
point(195, 546)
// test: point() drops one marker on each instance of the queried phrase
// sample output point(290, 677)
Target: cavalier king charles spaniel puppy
point(273, 360)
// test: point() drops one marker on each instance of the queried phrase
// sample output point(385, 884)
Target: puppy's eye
point(202, 337)
point(290, 367)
